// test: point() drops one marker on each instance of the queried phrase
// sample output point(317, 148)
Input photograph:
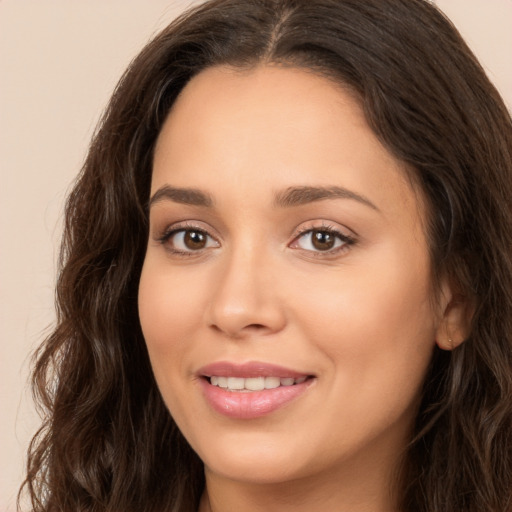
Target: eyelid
point(171, 230)
point(306, 228)
point(172, 227)
point(324, 226)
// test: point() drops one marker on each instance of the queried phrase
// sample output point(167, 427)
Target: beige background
point(59, 61)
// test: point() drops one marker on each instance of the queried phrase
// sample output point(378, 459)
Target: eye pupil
point(195, 240)
point(323, 240)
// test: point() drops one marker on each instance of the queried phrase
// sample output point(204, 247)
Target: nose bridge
point(244, 299)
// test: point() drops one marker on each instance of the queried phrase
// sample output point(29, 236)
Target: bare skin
point(302, 245)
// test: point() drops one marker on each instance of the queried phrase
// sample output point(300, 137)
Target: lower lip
point(252, 404)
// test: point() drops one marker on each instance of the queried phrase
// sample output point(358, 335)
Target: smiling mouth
point(253, 389)
point(250, 384)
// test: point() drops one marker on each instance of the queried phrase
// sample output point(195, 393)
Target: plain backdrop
point(59, 62)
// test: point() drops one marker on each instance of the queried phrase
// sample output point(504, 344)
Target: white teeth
point(253, 383)
point(235, 383)
point(272, 382)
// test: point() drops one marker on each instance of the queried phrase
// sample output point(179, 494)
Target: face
point(286, 296)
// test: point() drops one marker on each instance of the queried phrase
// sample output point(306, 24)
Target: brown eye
point(195, 240)
point(189, 240)
point(322, 240)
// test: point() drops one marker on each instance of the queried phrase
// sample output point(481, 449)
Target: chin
point(256, 459)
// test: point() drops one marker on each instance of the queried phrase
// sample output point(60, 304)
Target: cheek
point(167, 297)
point(366, 292)
point(377, 332)
point(375, 322)
point(169, 307)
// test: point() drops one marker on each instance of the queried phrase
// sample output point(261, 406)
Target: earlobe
point(447, 343)
point(454, 325)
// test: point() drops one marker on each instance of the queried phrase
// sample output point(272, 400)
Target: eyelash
point(169, 233)
point(346, 240)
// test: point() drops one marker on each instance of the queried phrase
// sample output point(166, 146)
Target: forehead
point(270, 127)
point(260, 104)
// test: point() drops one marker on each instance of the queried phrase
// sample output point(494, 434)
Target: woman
point(286, 273)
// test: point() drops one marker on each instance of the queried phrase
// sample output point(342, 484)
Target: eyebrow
point(296, 196)
point(292, 196)
point(190, 196)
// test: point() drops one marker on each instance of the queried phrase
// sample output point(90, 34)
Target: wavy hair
point(108, 442)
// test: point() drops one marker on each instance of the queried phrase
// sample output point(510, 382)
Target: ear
point(456, 313)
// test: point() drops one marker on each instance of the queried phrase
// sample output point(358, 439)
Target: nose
point(245, 300)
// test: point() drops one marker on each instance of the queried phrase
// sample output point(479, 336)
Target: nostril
point(257, 329)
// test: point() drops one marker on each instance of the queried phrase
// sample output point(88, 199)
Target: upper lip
point(249, 369)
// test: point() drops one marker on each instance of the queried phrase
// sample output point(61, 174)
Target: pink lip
point(250, 369)
point(254, 404)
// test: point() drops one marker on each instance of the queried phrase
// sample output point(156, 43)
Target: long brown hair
point(108, 443)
